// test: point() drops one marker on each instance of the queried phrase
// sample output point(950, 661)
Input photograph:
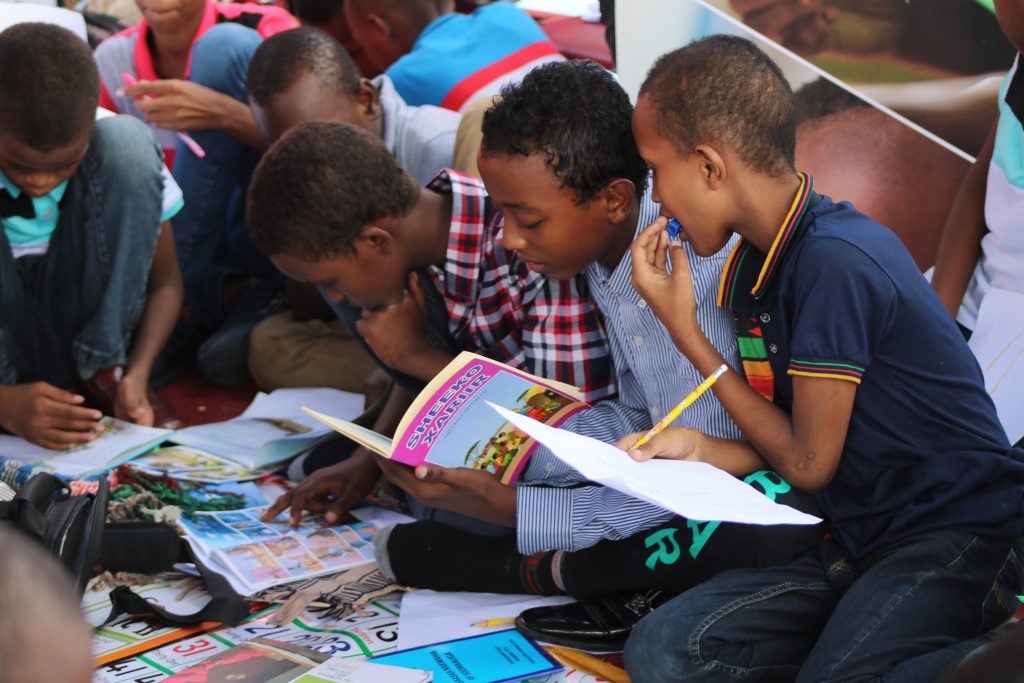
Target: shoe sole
point(554, 639)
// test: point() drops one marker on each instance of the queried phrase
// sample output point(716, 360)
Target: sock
point(429, 554)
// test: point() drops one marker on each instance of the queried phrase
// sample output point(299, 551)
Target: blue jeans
point(73, 311)
point(905, 613)
point(210, 233)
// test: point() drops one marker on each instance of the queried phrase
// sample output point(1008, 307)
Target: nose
point(38, 184)
point(512, 237)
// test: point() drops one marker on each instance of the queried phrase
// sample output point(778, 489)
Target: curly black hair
point(575, 114)
point(49, 85)
point(724, 88)
point(282, 58)
point(319, 185)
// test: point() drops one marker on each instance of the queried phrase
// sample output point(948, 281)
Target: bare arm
point(960, 247)
point(164, 293)
point(804, 447)
point(175, 104)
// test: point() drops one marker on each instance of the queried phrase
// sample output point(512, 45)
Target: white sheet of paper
point(430, 616)
point(998, 344)
point(289, 403)
point(695, 490)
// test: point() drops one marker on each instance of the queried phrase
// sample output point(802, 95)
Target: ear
point(619, 196)
point(374, 240)
point(382, 25)
point(368, 100)
point(712, 166)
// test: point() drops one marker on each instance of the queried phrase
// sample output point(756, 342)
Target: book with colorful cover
point(450, 423)
point(497, 657)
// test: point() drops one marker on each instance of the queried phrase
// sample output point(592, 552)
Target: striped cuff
point(830, 369)
point(543, 518)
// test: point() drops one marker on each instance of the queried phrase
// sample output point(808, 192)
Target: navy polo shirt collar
point(748, 272)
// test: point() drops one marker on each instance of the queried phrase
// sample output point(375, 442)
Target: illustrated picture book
point(261, 554)
point(450, 423)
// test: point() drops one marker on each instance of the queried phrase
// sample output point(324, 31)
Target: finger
point(160, 87)
point(626, 442)
point(659, 251)
point(339, 507)
point(58, 394)
point(282, 502)
point(64, 412)
point(65, 424)
point(63, 439)
point(432, 475)
point(680, 262)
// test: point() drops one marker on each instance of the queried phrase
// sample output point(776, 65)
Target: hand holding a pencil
point(673, 443)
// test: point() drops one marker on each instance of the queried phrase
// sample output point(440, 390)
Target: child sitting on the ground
point(437, 56)
point(89, 283)
point(983, 242)
point(305, 75)
point(43, 637)
point(878, 406)
point(330, 206)
point(190, 59)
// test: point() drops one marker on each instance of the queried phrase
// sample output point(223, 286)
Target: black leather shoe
point(600, 624)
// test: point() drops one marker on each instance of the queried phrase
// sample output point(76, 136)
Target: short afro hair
point(725, 89)
point(281, 59)
point(319, 185)
point(578, 117)
point(50, 85)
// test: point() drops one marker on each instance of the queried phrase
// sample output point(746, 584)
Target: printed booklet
point(262, 554)
point(497, 657)
point(450, 423)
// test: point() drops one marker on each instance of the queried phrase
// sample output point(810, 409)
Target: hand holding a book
point(459, 489)
point(332, 490)
point(398, 334)
point(47, 416)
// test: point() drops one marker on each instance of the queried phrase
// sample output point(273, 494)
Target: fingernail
point(119, 92)
point(331, 517)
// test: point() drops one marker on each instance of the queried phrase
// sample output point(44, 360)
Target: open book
point(450, 423)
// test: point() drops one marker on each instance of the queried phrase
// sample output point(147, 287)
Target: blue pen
point(673, 228)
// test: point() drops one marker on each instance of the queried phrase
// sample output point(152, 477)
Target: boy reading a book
point(876, 404)
point(182, 70)
point(559, 159)
point(306, 75)
point(89, 282)
point(330, 206)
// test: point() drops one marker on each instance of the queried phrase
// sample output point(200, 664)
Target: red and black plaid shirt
point(501, 309)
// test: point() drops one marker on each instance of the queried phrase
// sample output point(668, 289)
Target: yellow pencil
point(683, 405)
point(494, 623)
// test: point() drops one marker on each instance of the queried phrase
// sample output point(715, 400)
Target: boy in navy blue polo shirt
point(857, 388)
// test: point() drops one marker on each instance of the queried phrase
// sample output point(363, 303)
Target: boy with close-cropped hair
point(89, 282)
point(306, 75)
point(877, 405)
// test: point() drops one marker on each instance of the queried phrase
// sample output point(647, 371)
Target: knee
point(220, 58)
point(656, 649)
point(124, 150)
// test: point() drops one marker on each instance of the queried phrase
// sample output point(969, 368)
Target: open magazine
point(261, 554)
point(450, 423)
point(119, 442)
point(271, 430)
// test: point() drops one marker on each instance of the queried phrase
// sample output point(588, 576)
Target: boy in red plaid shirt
point(419, 274)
